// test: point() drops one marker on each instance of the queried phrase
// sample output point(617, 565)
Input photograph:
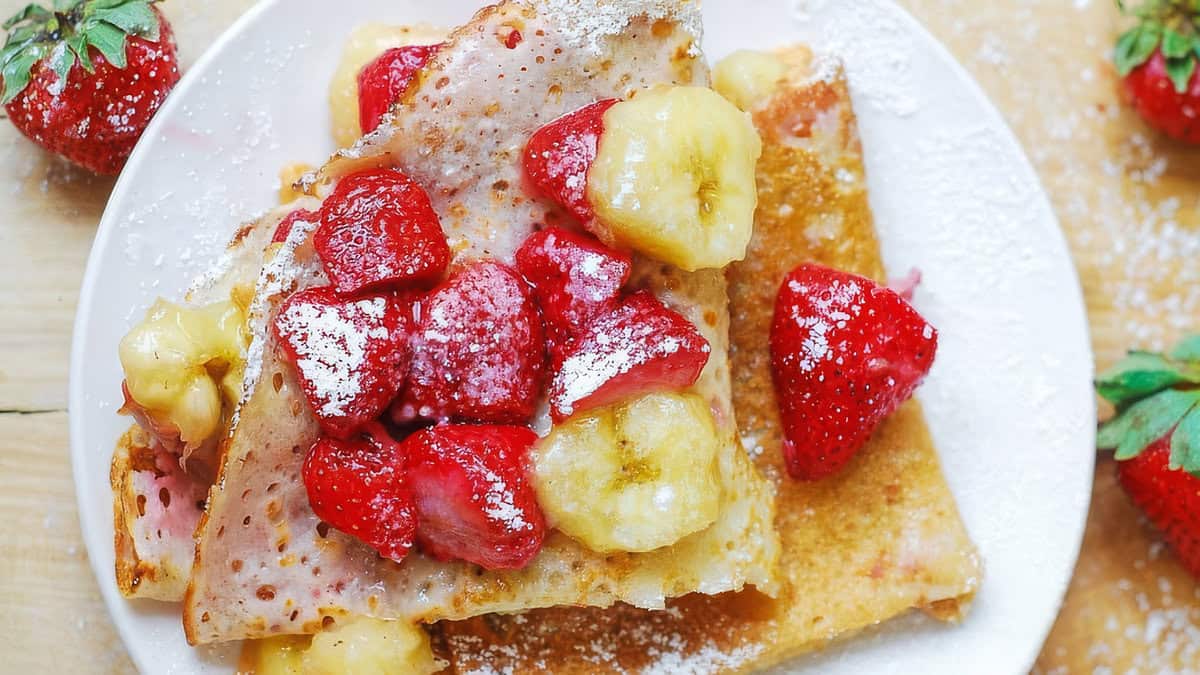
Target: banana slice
point(635, 476)
point(674, 177)
point(371, 646)
point(748, 78)
point(180, 364)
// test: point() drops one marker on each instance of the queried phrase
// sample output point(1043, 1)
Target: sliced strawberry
point(473, 497)
point(478, 350)
point(638, 347)
point(382, 81)
point(559, 155)
point(845, 353)
point(285, 226)
point(351, 355)
point(379, 231)
point(574, 278)
point(358, 487)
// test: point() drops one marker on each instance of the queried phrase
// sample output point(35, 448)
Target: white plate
point(1009, 402)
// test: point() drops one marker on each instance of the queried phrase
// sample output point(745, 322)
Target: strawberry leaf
point(1176, 45)
point(1146, 421)
point(1185, 443)
point(1136, 46)
point(16, 72)
point(133, 18)
point(30, 12)
point(110, 40)
point(1140, 374)
point(1180, 71)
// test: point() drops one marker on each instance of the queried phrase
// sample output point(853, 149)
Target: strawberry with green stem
point(1158, 59)
point(84, 78)
point(1156, 438)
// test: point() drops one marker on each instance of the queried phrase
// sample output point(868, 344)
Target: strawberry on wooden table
point(1156, 438)
point(473, 498)
point(845, 353)
point(478, 350)
point(84, 80)
point(1158, 59)
point(358, 487)
point(382, 81)
point(351, 355)
point(379, 231)
point(638, 347)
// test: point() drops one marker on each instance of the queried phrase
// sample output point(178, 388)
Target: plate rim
point(117, 605)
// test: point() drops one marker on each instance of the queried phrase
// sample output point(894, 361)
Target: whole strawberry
point(1156, 438)
point(845, 353)
point(84, 80)
point(1158, 59)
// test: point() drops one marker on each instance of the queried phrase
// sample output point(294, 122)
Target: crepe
point(264, 563)
point(156, 504)
point(880, 538)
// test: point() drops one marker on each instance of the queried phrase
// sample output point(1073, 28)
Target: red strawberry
point(84, 80)
point(1158, 59)
point(478, 350)
point(378, 231)
point(638, 347)
point(1156, 438)
point(1170, 498)
point(559, 155)
point(351, 355)
point(382, 81)
point(574, 278)
point(358, 487)
point(845, 353)
point(285, 226)
point(473, 497)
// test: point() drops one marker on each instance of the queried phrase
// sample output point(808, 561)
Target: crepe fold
point(882, 537)
point(264, 564)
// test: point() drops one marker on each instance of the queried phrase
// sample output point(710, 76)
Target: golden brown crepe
point(880, 538)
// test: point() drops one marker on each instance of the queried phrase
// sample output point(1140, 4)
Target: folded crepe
point(880, 538)
point(156, 503)
point(264, 563)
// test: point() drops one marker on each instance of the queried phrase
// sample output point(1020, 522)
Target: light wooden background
point(1128, 200)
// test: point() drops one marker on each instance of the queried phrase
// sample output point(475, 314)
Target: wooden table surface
point(1129, 202)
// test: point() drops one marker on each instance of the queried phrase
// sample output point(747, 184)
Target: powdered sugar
point(333, 350)
point(585, 25)
point(500, 505)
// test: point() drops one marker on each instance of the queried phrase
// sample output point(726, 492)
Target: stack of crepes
point(823, 558)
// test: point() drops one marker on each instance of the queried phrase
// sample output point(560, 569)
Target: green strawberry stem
point(1172, 26)
point(65, 35)
point(1155, 395)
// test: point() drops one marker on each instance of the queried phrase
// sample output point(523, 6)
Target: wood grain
point(1127, 199)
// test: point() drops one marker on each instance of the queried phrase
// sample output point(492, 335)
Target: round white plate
point(1009, 402)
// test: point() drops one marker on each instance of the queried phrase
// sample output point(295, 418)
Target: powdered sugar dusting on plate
point(880, 68)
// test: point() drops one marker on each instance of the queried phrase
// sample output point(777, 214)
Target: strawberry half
point(845, 353)
point(559, 154)
point(574, 278)
point(84, 80)
point(351, 355)
point(639, 346)
point(284, 229)
point(1155, 436)
point(378, 232)
point(1158, 59)
point(382, 81)
point(478, 350)
point(472, 493)
point(358, 487)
